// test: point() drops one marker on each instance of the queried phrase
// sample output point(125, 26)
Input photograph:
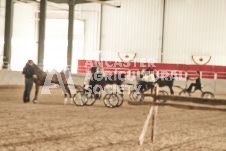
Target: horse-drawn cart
point(82, 98)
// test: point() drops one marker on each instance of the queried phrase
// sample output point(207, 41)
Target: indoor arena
point(113, 75)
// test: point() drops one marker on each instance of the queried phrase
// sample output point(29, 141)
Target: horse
point(166, 82)
point(161, 82)
point(42, 78)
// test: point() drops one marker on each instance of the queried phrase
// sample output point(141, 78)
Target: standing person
point(29, 73)
point(197, 85)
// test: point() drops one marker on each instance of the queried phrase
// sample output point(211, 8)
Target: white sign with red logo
point(127, 56)
point(201, 60)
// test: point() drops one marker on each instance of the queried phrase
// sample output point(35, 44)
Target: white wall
point(135, 27)
point(195, 27)
point(90, 13)
point(11, 77)
point(192, 27)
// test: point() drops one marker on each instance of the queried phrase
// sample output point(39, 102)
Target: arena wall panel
point(191, 27)
point(135, 27)
point(195, 27)
point(90, 14)
point(11, 77)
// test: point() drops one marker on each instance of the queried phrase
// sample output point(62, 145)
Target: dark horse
point(98, 79)
point(52, 78)
point(160, 81)
point(166, 82)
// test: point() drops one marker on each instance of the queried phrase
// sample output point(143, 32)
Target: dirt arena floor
point(50, 125)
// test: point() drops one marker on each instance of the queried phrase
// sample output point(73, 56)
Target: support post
point(70, 33)
point(41, 33)
point(8, 34)
point(100, 34)
point(163, 24)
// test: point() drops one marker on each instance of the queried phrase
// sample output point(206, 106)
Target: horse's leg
point(65, 93)
point(69, 92)
point(152, 89)
point(171, 89)
point(121, 90)
point(36, 92)
point(65, 99)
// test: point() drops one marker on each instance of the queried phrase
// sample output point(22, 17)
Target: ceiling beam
point(104, 3)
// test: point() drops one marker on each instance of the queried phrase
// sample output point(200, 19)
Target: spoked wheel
point(131, 95)
point(78, 98)
point(137, 96)
point(89, 99)
point(98, 94)
point(111, 100)
point(120, 101)
point(162, 92)
point(184, 93)
point(208, 95)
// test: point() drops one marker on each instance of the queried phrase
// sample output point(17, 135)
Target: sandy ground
point(50, 125)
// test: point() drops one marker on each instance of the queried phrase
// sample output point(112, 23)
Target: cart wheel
point(89, 99)
point(184, 93)
point(208, 95)
point(106, 100)
point(78, 98)
point(162, 92)
point(111, 100)
point(131, 95)
point(120, 100)
point(137, 96)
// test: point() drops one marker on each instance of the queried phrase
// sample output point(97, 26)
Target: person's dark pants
point(191, 86)
point(27, 91)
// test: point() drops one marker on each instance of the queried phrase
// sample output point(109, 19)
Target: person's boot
point(26, 100)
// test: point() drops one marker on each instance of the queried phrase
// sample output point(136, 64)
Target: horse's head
point(39, 72)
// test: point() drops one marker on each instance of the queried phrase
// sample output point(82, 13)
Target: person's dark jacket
point(28, 71)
